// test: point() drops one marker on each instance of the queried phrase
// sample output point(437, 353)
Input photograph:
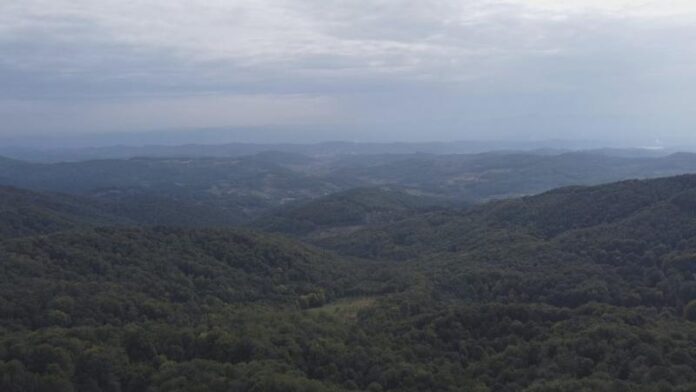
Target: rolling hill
point(236, 191)
point(543, 216)
point(226, 192)
point(578, 288)
point(347, 211)
point(25, 213)
point(497, 175)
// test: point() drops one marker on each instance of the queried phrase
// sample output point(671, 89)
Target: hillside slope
point(25, 213)
point(542, 217)
point(348, 210)
point(234, 189)
point(137, 269)
point(118, 309)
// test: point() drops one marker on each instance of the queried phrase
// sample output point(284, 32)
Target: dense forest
point(349, 210)
point(146, 275)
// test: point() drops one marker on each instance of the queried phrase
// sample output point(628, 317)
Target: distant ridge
point(324, 149)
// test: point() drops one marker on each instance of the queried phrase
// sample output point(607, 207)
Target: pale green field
point(346, 308)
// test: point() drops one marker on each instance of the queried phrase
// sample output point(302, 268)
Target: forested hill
point(221, 192)
point(349, 210)
point(117, 309)
point(24, 213)
point(623, 206)
point(119, 275)
point(581, 288)
point(203, 192)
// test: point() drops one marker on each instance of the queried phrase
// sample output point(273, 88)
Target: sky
point(361, 70)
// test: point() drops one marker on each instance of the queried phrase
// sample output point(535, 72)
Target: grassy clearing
point(346, 309)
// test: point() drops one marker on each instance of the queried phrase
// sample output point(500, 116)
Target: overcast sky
point(352, 69)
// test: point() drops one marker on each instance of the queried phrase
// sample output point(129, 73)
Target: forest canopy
point(578, 288)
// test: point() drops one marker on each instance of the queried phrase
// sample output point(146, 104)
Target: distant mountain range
point(219, 192)
point(325, 149)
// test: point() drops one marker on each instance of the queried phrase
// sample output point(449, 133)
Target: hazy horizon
point(270, 137)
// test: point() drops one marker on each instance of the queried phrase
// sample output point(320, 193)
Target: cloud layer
point(441, 69)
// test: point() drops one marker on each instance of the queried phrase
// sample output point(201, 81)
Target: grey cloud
point(457, 69)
